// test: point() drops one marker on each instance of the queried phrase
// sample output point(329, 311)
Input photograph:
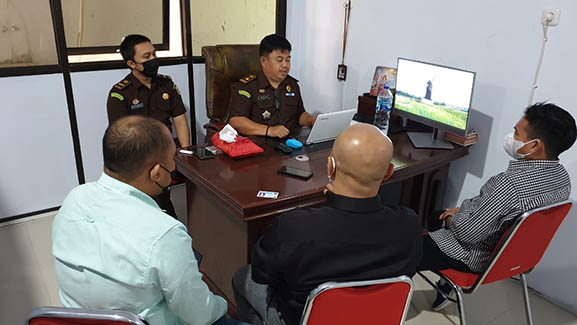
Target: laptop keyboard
point(301, 135)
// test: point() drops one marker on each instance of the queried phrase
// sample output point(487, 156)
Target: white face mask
point(511, 146)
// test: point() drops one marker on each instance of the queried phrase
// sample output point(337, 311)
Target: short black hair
point(128, 44)
point(131, 143)
point(274, 42)
point(553, 125)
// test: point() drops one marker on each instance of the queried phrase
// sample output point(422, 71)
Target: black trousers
point(433, 257)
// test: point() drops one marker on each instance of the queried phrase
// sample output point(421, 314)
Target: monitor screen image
point(435, 95)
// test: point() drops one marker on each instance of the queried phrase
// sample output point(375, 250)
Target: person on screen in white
point(463, 238)
point(114, 247)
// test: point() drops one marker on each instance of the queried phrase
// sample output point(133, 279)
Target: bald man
point(353, 237)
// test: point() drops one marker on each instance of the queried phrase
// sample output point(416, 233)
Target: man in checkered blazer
point(464, 238)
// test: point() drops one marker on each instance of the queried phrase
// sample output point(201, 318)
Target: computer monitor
point(434, 95)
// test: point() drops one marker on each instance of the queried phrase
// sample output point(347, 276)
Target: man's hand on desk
point(279, 131)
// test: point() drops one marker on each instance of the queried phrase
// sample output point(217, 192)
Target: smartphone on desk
point(297, 172)
point(203, 153)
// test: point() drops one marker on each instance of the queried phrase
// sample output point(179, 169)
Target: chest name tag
point(263, 97)
point(137, 106)
point(290, 94)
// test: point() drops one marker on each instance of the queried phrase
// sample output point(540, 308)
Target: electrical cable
point(543, 45)
point(346, 28)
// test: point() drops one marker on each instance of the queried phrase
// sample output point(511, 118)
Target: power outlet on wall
point(550, 17)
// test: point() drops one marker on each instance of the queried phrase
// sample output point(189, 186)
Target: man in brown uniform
point(145, 92)
point(269, 103)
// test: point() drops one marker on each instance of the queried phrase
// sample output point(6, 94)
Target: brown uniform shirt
point(255, 98)
point(130, 97)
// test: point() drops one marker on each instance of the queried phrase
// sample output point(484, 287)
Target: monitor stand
point(428, 140)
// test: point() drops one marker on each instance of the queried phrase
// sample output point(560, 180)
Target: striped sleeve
point(477, 218)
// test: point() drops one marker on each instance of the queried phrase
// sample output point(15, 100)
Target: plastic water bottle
point(383, 110)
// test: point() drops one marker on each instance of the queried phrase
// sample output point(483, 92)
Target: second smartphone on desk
point(297, 172)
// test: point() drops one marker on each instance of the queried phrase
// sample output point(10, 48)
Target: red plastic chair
point(519, 250)
point(78, 316)
point(384, 301)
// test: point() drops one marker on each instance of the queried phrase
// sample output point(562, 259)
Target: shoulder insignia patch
point(176, 88)
point(117, 95)
point(164, 76)
point(244, 93)
point(247, 79)
point(121, 85)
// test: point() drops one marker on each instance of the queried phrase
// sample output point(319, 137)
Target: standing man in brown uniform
point(145, 92)
point(270, 103)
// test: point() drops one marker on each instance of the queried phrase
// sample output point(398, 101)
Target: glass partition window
point(98, 26)
point(230, 22)
point(26, 34)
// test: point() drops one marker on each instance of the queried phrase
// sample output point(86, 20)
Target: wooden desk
point(225, 218)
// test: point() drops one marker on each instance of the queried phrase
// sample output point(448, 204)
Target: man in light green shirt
point(115, 248)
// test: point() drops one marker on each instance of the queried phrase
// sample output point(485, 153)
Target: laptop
point(326, 128)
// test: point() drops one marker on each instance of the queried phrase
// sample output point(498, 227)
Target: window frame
point(64, 67)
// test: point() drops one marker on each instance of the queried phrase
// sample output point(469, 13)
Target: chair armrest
point(213, 126)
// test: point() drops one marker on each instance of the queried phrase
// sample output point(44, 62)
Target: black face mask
point(150, 68)
point(164, 188)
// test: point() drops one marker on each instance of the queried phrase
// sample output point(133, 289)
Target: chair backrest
point(226, 64)
point(384, 301)
point(523, 245)
point(79, 316)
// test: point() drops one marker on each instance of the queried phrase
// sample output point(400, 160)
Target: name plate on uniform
point(137, 106)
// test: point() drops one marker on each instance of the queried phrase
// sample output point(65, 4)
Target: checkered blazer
point(475, 230)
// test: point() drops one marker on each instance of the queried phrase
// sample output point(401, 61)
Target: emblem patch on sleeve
point(117, 95)
point(244, 93)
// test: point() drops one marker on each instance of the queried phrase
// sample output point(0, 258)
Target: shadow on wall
point(475, 162)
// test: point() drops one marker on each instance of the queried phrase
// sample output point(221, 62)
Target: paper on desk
point(228, 134)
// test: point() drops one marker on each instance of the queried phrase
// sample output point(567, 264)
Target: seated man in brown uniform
point(270, 103)
point(145, 92)
point(353, 237)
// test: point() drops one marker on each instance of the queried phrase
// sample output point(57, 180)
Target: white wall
point(200, 101)
point(500, 40)
point(230, 22)
point(90, 95)
point(37, 168)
